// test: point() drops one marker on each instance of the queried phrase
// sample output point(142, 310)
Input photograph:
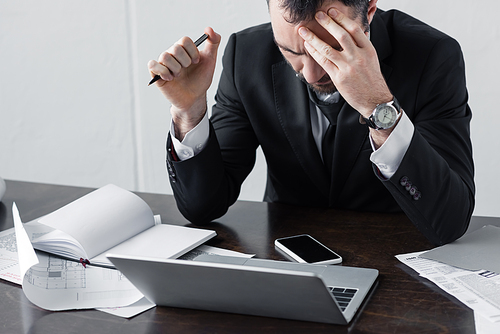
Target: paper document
point(479, 290)
point(55, 284)
point(9, 271)
point(9, 260)
point(474, 251)
point(25, 252)
point(129, 311)
point(484, 326)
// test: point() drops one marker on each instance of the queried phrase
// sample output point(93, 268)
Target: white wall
point(75, 107)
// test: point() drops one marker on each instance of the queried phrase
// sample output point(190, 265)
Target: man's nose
point(311, 71)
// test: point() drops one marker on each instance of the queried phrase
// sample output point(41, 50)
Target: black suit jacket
point(261, 102)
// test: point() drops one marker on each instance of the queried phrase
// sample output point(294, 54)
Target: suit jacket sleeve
point(438, 164)
point(207, 184)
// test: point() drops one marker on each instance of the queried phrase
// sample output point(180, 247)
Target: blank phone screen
point(308, 249)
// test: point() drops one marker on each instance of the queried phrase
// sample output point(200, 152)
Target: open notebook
point(111, 219)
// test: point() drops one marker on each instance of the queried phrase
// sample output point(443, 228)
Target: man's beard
point(328, 88)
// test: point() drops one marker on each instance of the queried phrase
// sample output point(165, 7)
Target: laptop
point(319, 293)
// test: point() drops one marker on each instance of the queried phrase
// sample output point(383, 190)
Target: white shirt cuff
point(389, 156)
point(194, 141)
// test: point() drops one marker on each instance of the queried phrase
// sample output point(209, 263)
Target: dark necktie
point(331, 111)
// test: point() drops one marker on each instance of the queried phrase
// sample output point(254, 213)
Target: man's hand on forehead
point(354, 68)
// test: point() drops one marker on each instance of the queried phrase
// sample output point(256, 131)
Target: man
point(355, 108)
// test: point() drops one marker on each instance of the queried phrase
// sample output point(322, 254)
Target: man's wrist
point(186, 120)
point(193, 142)
point(384, 116)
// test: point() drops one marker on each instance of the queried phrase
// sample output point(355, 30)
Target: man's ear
point(372, 9)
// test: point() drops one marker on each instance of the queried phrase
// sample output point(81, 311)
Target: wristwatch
point(384, 116)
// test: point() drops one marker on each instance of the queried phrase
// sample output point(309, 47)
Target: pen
point(197, 43)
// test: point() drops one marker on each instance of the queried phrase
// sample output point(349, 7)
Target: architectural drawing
point(59, 274)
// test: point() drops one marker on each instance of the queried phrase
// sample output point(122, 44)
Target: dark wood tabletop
point(403, 302)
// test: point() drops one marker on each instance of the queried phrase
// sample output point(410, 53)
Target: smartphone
point(305, 249)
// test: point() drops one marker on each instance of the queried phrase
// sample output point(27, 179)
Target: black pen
point(198, 42)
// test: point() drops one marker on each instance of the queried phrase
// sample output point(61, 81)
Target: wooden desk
point(402, 303)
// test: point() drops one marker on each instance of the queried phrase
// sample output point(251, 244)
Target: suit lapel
point(351, 137)
point(293, 109)
point(382, 43)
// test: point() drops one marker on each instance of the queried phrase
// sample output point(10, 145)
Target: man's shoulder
point(414, 39)
point(403, 25)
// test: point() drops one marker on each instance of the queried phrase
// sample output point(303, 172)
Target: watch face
point(385, 116)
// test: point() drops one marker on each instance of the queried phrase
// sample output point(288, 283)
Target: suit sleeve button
point(403, 181)
point(413, 190)
point(417, 196)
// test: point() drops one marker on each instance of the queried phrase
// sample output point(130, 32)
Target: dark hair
point(304, 10)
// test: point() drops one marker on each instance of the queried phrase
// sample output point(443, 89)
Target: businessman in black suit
point(355, 108)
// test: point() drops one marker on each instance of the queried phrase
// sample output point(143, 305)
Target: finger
point(155, 68)
point(185, 52)
point(181, 55)
point(171, 63)
point(338, 32)
point(191, 51)
point(356, 32)
point(323, 58)
point(212, 43)
point(320, 50)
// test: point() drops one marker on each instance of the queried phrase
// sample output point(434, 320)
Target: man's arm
point(186, 74)
point(207, 184)
point(434, 183)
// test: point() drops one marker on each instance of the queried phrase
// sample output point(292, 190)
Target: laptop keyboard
point(343, 296)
